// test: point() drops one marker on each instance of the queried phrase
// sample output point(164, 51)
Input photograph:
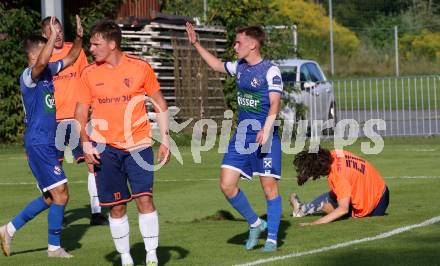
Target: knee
point(60, 196)
point(145, 204)
point(118, 211)
point(229, 190)
point(270, 192)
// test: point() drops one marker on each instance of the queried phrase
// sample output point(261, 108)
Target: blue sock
point(54, 220)
point(241, 204)
point(273, 217)
point(29, 212)
point(317, 204)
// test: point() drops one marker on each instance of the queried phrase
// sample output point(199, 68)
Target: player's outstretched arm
point(215, 63)
point(77, 43)
point(341, 210)
point(44, 56)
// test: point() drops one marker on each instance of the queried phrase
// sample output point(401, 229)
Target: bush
point(15, 23)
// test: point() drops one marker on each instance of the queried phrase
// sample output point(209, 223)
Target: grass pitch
point(198, 227)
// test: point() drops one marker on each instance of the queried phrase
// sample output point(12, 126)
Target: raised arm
point(44, 56)
point(77, 43)
point(215, 63)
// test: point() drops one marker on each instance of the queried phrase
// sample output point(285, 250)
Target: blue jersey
point(254, 83)
point(39, 105)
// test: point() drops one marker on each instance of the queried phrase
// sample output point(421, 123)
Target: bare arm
point(44, 56)
point(77, 43)
point(275, 102)
point(81, 115)
point(161, 109)
point(215, 63)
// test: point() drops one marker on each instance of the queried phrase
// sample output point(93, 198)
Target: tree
point(15, 23)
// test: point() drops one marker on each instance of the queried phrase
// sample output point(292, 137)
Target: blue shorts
point(67, 140)
point(243, 156)
point(116, 168)
point(382, 205)
point(45, 166)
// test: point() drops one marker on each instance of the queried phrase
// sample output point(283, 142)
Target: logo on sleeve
point(49, 103)
point(276, 80)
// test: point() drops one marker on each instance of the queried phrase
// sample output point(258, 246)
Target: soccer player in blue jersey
point(255, 147)
point(37, 90)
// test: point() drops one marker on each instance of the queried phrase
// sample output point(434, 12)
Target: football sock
point(273, 218)
point(28, 213)
point(317, 204)
point(54, 221)
point(149, 227)
point(257, 223)
point(93, 193)
point(120, 231)
point(241, 204)
point(10, 228)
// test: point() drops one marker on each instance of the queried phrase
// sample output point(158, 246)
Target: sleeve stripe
point(278, 91)
point(226, 68)
point(274, 88)
point(60, 65)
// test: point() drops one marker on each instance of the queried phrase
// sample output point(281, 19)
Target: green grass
point(188, 199)
point(407, 93)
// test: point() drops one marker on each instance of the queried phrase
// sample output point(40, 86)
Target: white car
point(305, 84)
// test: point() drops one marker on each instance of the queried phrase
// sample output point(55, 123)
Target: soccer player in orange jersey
point(67, 83)
point(356, 188)
point(115, 87)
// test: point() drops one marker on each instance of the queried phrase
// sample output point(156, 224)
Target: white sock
point(257, 223)
point(120, 231)
point(271, 240)
point(52, 247)
point(10, 228)
point(126, 259)
point(149, 226)
point(93, 193)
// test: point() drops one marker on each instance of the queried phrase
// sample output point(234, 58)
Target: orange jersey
point(352, 176)
point(67, 83)
point(116, 95)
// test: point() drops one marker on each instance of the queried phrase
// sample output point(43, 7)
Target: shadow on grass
point(402, 255)
point(28, 251)
point(73, 233)
point(164, 254)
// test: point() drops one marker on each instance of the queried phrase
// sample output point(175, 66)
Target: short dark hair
point(32, 41)
point(255, 32)
point(109, 31)
point(314, 165)
point(46, 21)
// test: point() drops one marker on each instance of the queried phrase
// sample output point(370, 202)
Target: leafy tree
point(15, 23)
point(313, 29)
point(17, 20)
point(240, 13)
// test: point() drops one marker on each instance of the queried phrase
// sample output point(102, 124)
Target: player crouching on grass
point(356, 188)
point(37, 90)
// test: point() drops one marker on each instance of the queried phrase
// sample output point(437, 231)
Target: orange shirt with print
point(352, 176)
point(117, 98)
point(67, 83)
